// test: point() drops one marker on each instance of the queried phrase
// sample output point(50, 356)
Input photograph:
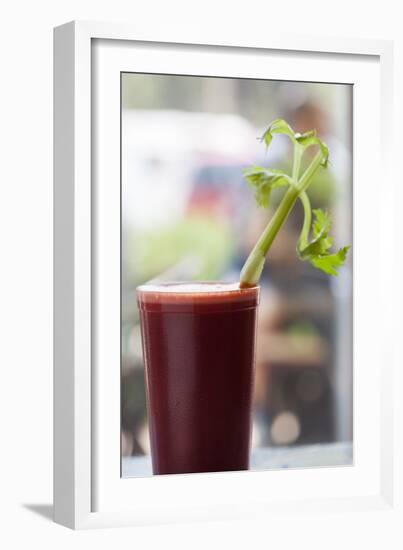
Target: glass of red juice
point(199, 350)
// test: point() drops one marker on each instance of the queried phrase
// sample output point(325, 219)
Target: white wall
point(26, 266)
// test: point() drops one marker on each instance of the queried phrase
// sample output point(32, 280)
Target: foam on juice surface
point(195, 287)
point(195, 293)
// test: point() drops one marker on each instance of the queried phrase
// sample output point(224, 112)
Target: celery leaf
point(305, 140)
point(317, 250)
point(264, 181)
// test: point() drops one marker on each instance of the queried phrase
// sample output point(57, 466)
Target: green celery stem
point(253, 267)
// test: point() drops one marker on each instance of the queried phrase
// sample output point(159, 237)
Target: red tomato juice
point(199, 346)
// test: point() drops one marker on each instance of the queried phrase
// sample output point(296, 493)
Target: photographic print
point(218, 246)
point(236, 276)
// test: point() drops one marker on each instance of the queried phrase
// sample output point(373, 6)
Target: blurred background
point(188, 214)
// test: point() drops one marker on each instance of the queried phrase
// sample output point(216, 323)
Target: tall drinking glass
point(199, 351)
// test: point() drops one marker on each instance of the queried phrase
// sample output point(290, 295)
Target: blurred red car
point(216, 188)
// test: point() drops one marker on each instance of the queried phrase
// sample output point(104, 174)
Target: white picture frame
point(88, 490)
